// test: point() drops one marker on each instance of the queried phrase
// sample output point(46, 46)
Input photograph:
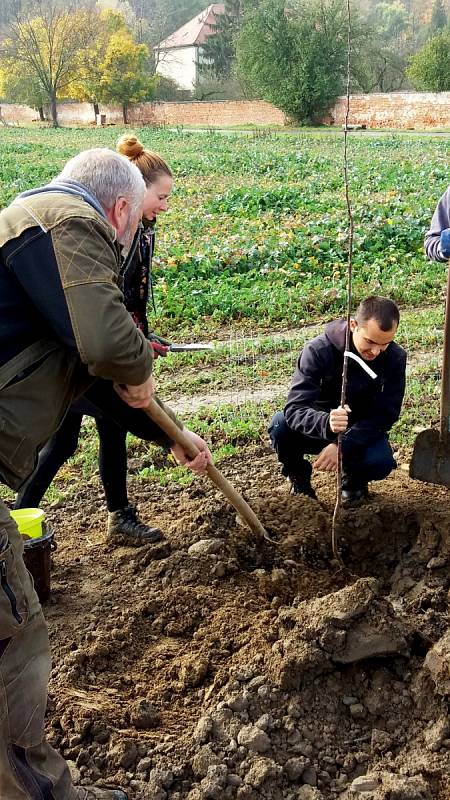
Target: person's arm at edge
point(437, 239)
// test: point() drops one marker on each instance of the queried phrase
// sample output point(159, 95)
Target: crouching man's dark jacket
point(316, 389)
point(62, 319)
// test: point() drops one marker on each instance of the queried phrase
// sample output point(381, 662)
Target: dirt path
point(184, 404)
point(189, 404)
point(235, 669)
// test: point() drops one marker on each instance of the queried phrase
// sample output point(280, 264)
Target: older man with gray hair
point(64, 331)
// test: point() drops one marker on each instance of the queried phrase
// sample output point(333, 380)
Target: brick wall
point(188, 113)
point(16, 113)
point(236, 112)
point(396, 110)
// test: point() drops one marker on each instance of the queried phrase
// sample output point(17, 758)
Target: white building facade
point(180, 54)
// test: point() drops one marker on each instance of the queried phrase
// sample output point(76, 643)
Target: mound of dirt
point(216, 666)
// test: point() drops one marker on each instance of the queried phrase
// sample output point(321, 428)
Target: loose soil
point(240, 669)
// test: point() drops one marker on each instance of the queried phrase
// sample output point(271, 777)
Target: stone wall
point(396, 110)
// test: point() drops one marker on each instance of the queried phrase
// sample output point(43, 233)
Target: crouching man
point(313, 418)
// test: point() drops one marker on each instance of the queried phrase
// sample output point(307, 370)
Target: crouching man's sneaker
point(125, 524)
point(301, 485)
point(95, 793)
point(353, 495)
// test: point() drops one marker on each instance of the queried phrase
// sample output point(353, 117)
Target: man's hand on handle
point(137, 396)
point(338, 421)
point(201, 461)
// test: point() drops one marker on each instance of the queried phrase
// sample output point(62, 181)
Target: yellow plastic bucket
point(29, 521)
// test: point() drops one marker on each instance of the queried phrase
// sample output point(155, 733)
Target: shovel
point(431, 455)
point(178, 436)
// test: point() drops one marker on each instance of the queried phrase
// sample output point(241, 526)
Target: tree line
point(290, 52)
point(294, 52)
point(52, 50)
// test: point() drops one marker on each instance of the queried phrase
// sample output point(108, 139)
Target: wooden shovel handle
point(178, 436)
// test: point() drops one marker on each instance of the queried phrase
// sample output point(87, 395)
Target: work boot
point(96, 793)
point(125, 523)
point(300, 484)
point(352, 494)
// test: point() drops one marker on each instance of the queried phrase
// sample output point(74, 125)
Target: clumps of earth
point(216, 666)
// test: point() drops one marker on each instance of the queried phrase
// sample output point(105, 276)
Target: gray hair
point(107, 175)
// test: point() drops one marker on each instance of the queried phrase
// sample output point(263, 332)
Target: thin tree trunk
point(96, 109)
point(41, 114)
point(54, 109)
point(124, 112)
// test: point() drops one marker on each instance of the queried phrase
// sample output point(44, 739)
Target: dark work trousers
point(373, 464)
point(113, 419)
point(29, 767)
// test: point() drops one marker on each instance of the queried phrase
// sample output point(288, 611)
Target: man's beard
point(126, 239)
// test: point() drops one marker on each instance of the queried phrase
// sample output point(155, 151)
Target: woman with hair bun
point(135, 274)
point(136, 271)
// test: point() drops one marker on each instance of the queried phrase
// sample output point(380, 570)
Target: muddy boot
point(301, 484)
point(96, 793)
point(353, 494)
point(124, 525)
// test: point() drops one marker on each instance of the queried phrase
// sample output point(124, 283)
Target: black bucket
point(37, 557)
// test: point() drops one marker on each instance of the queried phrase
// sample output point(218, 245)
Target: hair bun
point(130, 146)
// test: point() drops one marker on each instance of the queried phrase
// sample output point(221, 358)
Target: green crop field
point(256, 243)
point(257, 228)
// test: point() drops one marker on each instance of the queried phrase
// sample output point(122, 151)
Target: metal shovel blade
point(191, 347)
point(431, 458)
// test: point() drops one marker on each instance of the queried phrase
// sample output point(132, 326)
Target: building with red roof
point(180, 54)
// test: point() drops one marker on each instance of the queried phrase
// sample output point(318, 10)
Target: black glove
point(153, 337)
